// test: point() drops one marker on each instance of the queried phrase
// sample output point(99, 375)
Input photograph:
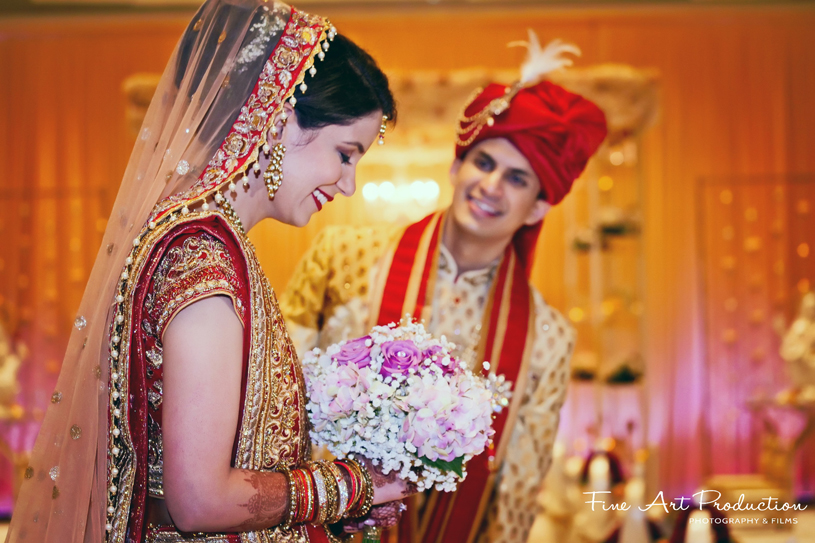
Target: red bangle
point(300, 497)
point(305, 506)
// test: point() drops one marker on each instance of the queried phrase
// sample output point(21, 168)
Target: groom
point(465, 272)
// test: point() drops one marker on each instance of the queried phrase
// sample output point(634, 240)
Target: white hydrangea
point(399, 398)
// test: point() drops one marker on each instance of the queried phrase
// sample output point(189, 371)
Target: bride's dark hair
point(348, 85)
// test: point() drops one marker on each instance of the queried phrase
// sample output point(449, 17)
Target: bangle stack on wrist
point(320, 493)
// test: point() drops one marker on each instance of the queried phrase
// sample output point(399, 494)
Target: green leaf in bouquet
point(456, 465)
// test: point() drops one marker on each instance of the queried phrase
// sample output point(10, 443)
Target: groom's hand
point(380, 516)
point(390, 487)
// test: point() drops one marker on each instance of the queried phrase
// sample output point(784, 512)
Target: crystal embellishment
point(155, 358)
point(54, 473)
point(76, 432)
point(183, 167)
point(154, 398)
point(80, 322)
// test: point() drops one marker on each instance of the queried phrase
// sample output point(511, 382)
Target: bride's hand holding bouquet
point(399, 399)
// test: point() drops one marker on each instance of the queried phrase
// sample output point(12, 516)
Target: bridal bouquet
point(399, 398)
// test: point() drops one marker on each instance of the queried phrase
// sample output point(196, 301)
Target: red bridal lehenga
point(191, 257)
point(97, 468)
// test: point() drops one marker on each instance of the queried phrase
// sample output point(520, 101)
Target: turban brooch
point(556, 130)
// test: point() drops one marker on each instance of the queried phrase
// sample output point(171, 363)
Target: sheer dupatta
point(236, 64)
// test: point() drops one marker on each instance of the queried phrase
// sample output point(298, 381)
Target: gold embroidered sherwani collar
point(448, 270)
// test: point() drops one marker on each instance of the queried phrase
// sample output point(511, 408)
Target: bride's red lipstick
point(317, 201)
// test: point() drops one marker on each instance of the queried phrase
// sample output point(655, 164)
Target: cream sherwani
point(327, 301)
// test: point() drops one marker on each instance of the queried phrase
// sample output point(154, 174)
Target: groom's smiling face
point(496, 191)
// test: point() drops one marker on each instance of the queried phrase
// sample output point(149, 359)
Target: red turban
point(557, 131)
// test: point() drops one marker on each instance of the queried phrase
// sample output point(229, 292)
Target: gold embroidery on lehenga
point(275, 397)
point(273, 380)
point(275, 388)
point(201, 266)
point(121, 453)
point(154, 395)
point(155, 356)
point(175, 537)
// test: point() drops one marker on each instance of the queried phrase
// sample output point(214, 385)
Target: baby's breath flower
point(431, 406)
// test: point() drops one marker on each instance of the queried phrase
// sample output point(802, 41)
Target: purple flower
point(399, 356)
point(450, 368)
point(433, 350)
point(438, 352)
point(355, 352)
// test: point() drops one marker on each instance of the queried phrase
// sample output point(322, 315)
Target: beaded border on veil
point(305, 37)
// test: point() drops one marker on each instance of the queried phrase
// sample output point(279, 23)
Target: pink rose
point(355, 352)
point(399, 356)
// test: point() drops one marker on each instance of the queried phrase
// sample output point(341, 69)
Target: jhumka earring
point(382, 128)
point(273, 176)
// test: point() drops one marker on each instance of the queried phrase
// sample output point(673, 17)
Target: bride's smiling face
point(319, 165)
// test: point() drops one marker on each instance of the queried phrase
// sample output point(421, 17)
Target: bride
point(179, 414)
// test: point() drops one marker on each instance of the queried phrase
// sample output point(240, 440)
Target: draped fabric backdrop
point(755, 233)
point(736, 100)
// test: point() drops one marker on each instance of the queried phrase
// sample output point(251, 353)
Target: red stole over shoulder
point(406, 284)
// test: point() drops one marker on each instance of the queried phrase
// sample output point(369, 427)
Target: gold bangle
point(331, 491)
point(342, 491)
point(291, 510)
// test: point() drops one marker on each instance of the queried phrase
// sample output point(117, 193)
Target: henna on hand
point(379, 479)
point(268, 505)
point(410, 489)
